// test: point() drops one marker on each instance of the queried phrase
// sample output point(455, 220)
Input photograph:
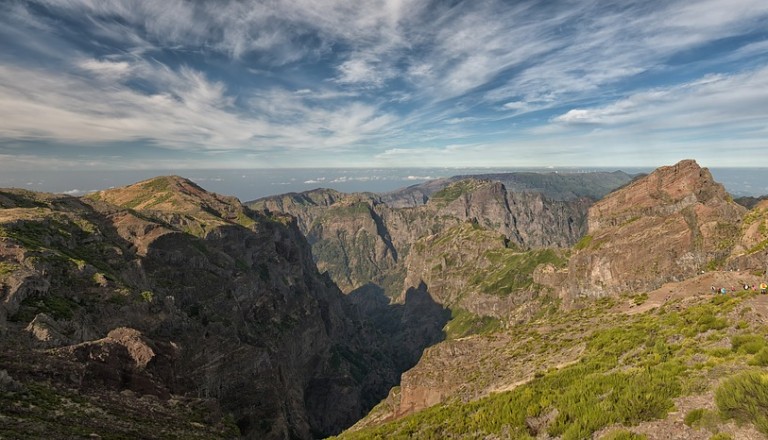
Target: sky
point(185, 84)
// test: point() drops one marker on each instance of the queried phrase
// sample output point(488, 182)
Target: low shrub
point(623, 434)
point(744, 397)
point(693, 416)
point(749, 344)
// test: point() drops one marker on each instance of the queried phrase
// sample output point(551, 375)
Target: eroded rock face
point(47, 332)
point(188, 293)
point(664, 227)
point(366, 238)
point(751, 250)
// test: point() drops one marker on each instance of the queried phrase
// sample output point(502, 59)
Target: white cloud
point(394, 73)
point(106, 69)
point(188, 111)
point(737, 102)
point(361, 71)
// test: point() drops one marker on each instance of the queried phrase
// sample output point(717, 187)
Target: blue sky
point(129, 84)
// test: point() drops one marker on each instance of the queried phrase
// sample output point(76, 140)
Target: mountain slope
point(182, 292)
point(469, 266)
point(675, 371)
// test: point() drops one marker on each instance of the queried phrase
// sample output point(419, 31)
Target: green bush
point(702, 419)
point(721, 436)
point(749, 344)
point(693, 416)
point(761, 358)
point(744, 397)
point(623, 434)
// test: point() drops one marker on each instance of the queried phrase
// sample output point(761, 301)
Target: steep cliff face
point(366, 238)
point(667, 226)
point(472, 269)
point(751, 249)
point(164, 289)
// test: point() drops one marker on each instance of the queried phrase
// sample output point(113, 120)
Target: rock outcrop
point(667, 226)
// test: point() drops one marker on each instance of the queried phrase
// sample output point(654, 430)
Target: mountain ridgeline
point(367, 238)
point(500, 306)
point(164, 289)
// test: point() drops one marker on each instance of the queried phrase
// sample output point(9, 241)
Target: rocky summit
point(667, 226)
point(498, 306)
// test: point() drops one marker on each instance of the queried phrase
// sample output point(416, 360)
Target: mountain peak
point(666, 226)
point(666, 190)
point(175, 196)
point(162, 193)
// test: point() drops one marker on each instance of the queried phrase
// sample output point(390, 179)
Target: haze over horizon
point(136, 85)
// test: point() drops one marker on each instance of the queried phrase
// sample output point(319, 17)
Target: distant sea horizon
point(251, 184)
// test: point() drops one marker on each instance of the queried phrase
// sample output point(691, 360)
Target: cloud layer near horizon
point(238, 83)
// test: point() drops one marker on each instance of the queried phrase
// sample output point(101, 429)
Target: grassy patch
point(513, 271)
point(7, 268)
point(454, 191)
point(744, 397)
point(55, 306)
point(693, 416)
point(583, 243)
point(623, 434)
point(747, 344)
point(464, 323)
point(630, 371)
point(758, 247)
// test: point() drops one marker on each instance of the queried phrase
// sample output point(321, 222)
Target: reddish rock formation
point(666, 226)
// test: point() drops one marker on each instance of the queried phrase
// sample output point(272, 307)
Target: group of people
point(723, 290)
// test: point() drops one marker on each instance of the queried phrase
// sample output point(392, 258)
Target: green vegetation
point(721, 436)
point(693, 416)
point(640, 299)
point(758, 247)
point(349, 210)
point(244, 220)
point(747, 343)
point(588, 395)
point(631, 370)
point(55, 306)
point(464, 323)
point(7, 268)
point(158, 184)
point(753, 216)
point(147, 296)
point(513, 271)
point(744, 397)
point(623, 434)
point(701, 418)
point(761, 358)
point(454, 191)
point(41, 410)
point(583, 243)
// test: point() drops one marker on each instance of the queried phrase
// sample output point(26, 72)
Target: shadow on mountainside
point(410, 327)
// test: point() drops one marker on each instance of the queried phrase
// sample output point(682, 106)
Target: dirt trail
point(698, 285)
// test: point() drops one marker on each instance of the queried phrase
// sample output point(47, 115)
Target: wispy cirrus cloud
point(188, 111)
point(738, 101)
point(377, 79)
